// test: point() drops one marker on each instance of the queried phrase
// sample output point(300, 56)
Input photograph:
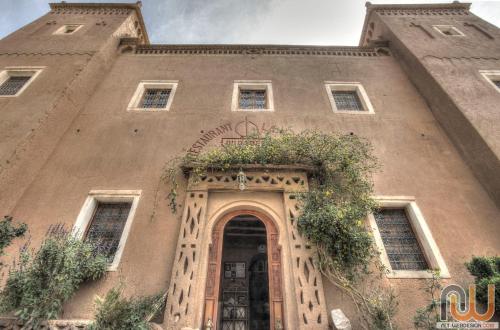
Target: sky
point(300, 22)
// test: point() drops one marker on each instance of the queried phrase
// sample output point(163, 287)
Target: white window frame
point(351, 87)
point(134, 104)
point(86, 213)
point(441, 28)
point(422, 233)
point(19, 71)
point(491, 75)
point(265, 85)
point(62, 30)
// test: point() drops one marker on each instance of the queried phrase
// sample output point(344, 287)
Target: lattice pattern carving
point(307, 279)
point(186, 263)
point(309, 295)
point(286, 181)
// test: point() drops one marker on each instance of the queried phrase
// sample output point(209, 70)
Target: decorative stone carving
point(307, 292)
point(186, 261)
point(307, 279)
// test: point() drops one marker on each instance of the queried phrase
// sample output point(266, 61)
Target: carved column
point(186, 264)
point(307, 279)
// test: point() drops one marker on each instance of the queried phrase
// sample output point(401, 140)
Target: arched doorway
point(243, 289)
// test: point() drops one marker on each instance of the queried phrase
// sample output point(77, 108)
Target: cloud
point(315, 22)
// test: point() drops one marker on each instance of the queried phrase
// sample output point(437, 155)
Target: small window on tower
point(348, 98)
point(153, 95)
point(68, 29)
point(14, 81)
point(492, 77)
point(252, 96)
point(449, 30)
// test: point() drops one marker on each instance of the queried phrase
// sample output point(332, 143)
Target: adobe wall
point(106, 147)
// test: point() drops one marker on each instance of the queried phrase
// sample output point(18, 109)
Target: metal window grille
point(399, 240)
point(347, 100)
point(497, 83)
point(155, 98)
point(252, 99)
point(13, 85)
point(107, 225)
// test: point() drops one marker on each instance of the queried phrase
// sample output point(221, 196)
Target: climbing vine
point(333, 210)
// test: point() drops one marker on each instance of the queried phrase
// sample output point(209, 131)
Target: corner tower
point(453, 58)
point(48, 71)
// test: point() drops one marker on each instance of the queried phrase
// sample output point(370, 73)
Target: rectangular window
point(153, 95)
point(449, 30)
point(106, 226)
point(68, 29)
point(492, 77)
point(13, 85)
point(155, 98)
point(106, 218)
point(252, 95)
point(252, 99)
point(407, 248)
point(399, 240)
point(347, 100)
point(14, 80)
point(348, 97)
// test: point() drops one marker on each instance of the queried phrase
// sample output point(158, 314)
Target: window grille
point(252, 99)
point(399, 240)
point(347, 100)
point(155, 98)
point(13, 85)
point(106, 227)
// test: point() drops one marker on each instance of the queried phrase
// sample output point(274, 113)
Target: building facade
point(91, 112)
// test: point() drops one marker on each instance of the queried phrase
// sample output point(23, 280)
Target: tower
point(72, 48)
point(453, 58)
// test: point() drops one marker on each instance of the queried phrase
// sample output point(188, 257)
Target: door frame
point(275, 274)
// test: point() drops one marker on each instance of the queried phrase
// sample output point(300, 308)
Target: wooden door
point(274, 268)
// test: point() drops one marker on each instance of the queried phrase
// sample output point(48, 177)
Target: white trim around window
point(453, 31)
point(252, 85)
point(491, 76)
point(89, 206)
point(351, 87)
point(63, 30)
point(31, 71)
point(135, 102)
point(422, 233)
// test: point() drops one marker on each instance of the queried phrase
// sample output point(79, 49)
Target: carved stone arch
point(275, 271)
point(301, 281)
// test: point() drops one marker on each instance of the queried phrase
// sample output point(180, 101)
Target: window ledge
point(395, 274)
